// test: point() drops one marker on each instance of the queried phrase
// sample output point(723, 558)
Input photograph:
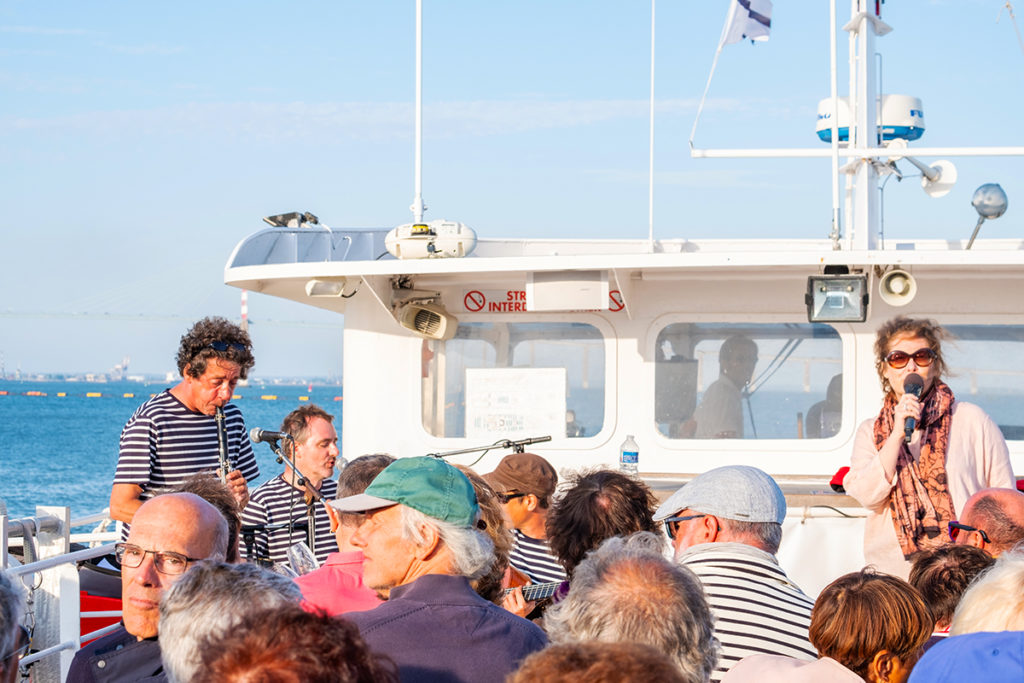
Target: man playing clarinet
point(191, 427)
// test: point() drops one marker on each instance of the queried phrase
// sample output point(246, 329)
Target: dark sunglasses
point(506, 497)
point(899, 359)
point(956, 527)
point(669, 521)
point(224, 346)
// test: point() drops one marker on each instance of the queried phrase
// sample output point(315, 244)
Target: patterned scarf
point(920, 503)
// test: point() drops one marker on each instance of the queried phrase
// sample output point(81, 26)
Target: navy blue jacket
point(117, 658)
point(438, 630)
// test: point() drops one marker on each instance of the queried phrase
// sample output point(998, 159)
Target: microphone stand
point(315, 496)
point(516, 446)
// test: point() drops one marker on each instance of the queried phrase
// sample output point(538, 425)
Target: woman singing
point(913, 490)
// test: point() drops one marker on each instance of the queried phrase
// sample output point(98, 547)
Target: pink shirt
point(337, 586)
point(977, 458)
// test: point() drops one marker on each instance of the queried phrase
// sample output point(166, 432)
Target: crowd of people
point(432, 572)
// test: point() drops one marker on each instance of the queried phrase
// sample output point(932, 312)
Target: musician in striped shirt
point(524, 483)
point(278, 514)
point(177, 433)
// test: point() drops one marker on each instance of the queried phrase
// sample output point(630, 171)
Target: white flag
point(748, 20)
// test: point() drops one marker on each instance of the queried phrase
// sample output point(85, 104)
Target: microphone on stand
point(257, 435)
point(913, 385)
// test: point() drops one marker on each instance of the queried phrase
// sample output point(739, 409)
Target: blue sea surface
point(62, 450)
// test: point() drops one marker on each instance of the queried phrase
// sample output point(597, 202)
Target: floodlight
point(837, 298)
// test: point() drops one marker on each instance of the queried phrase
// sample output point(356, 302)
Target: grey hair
point(471, 550)
point(211, 598)
point(995, 601)
point(767, 535)
point(12, 608)
point(626, 591)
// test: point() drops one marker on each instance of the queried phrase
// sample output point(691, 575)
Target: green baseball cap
point(429, 485)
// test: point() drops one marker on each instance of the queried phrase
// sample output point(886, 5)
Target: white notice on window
point(514, 403)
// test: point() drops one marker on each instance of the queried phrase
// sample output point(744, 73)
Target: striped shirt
point(277, 503)
point(757, 609)
point(533, 557)
point(164, 443)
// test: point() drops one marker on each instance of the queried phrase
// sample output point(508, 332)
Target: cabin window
point(515, 380)
point(986, 363)
point(748, 381)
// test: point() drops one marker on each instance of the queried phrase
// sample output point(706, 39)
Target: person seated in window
point(824, 417)
point(720, 413)
point(573, 429)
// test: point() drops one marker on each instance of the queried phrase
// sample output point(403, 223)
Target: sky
point(140, 142)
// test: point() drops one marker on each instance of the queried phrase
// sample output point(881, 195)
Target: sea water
point(62, 450)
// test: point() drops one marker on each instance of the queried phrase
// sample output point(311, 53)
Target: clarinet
point(222, 445)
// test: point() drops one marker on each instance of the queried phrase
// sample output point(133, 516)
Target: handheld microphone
point(913, 385)
point(257, 435)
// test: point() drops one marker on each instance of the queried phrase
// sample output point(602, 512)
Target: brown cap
point(524, 473)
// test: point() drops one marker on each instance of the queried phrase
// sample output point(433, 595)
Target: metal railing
point(49, 569)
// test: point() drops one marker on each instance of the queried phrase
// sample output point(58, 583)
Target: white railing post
point(57, 601)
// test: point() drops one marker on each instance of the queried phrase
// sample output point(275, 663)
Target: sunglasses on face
point(899, 359)
point(506, 497)
point(956, 527)
point(19, 652)
point(671, 524)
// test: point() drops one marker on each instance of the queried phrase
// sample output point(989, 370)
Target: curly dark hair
point(942, 575)
point(291, 645)
point(195, 348)
point(596, 505)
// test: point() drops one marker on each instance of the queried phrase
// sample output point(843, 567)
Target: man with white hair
point(421, 541)
point(625, 591)
point(212, 598)
point(726, 526)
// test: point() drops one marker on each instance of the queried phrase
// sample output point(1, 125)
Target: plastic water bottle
point(629, 456)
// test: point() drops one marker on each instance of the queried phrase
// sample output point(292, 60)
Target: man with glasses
point(14, 638)
point(180, 431)
point(726, 526)
point(525, 483)
point(992, 519)
point(169, 533)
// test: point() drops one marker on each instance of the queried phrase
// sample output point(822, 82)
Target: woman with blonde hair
point(865, 626)
point(913, 483)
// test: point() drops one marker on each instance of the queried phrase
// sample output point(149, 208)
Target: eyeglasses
point(506, 497)
point(131, 556)
point(224, 346)
point(956, 527)
point(669, 521)
point(19, 652)
point(899, 359)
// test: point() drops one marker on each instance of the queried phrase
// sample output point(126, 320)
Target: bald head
point(997, 512)
point(179, 523)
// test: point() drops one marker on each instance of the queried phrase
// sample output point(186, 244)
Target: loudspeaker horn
point(897, 287)
point(428, 320)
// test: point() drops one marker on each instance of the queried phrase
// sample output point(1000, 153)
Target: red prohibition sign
point(474, 301)
point(617, 303)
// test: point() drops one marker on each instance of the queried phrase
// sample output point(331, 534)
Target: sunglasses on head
point(899, 359)
point(223, 346)
point(956, 527)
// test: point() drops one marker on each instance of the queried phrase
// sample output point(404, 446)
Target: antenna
point(418, 207)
